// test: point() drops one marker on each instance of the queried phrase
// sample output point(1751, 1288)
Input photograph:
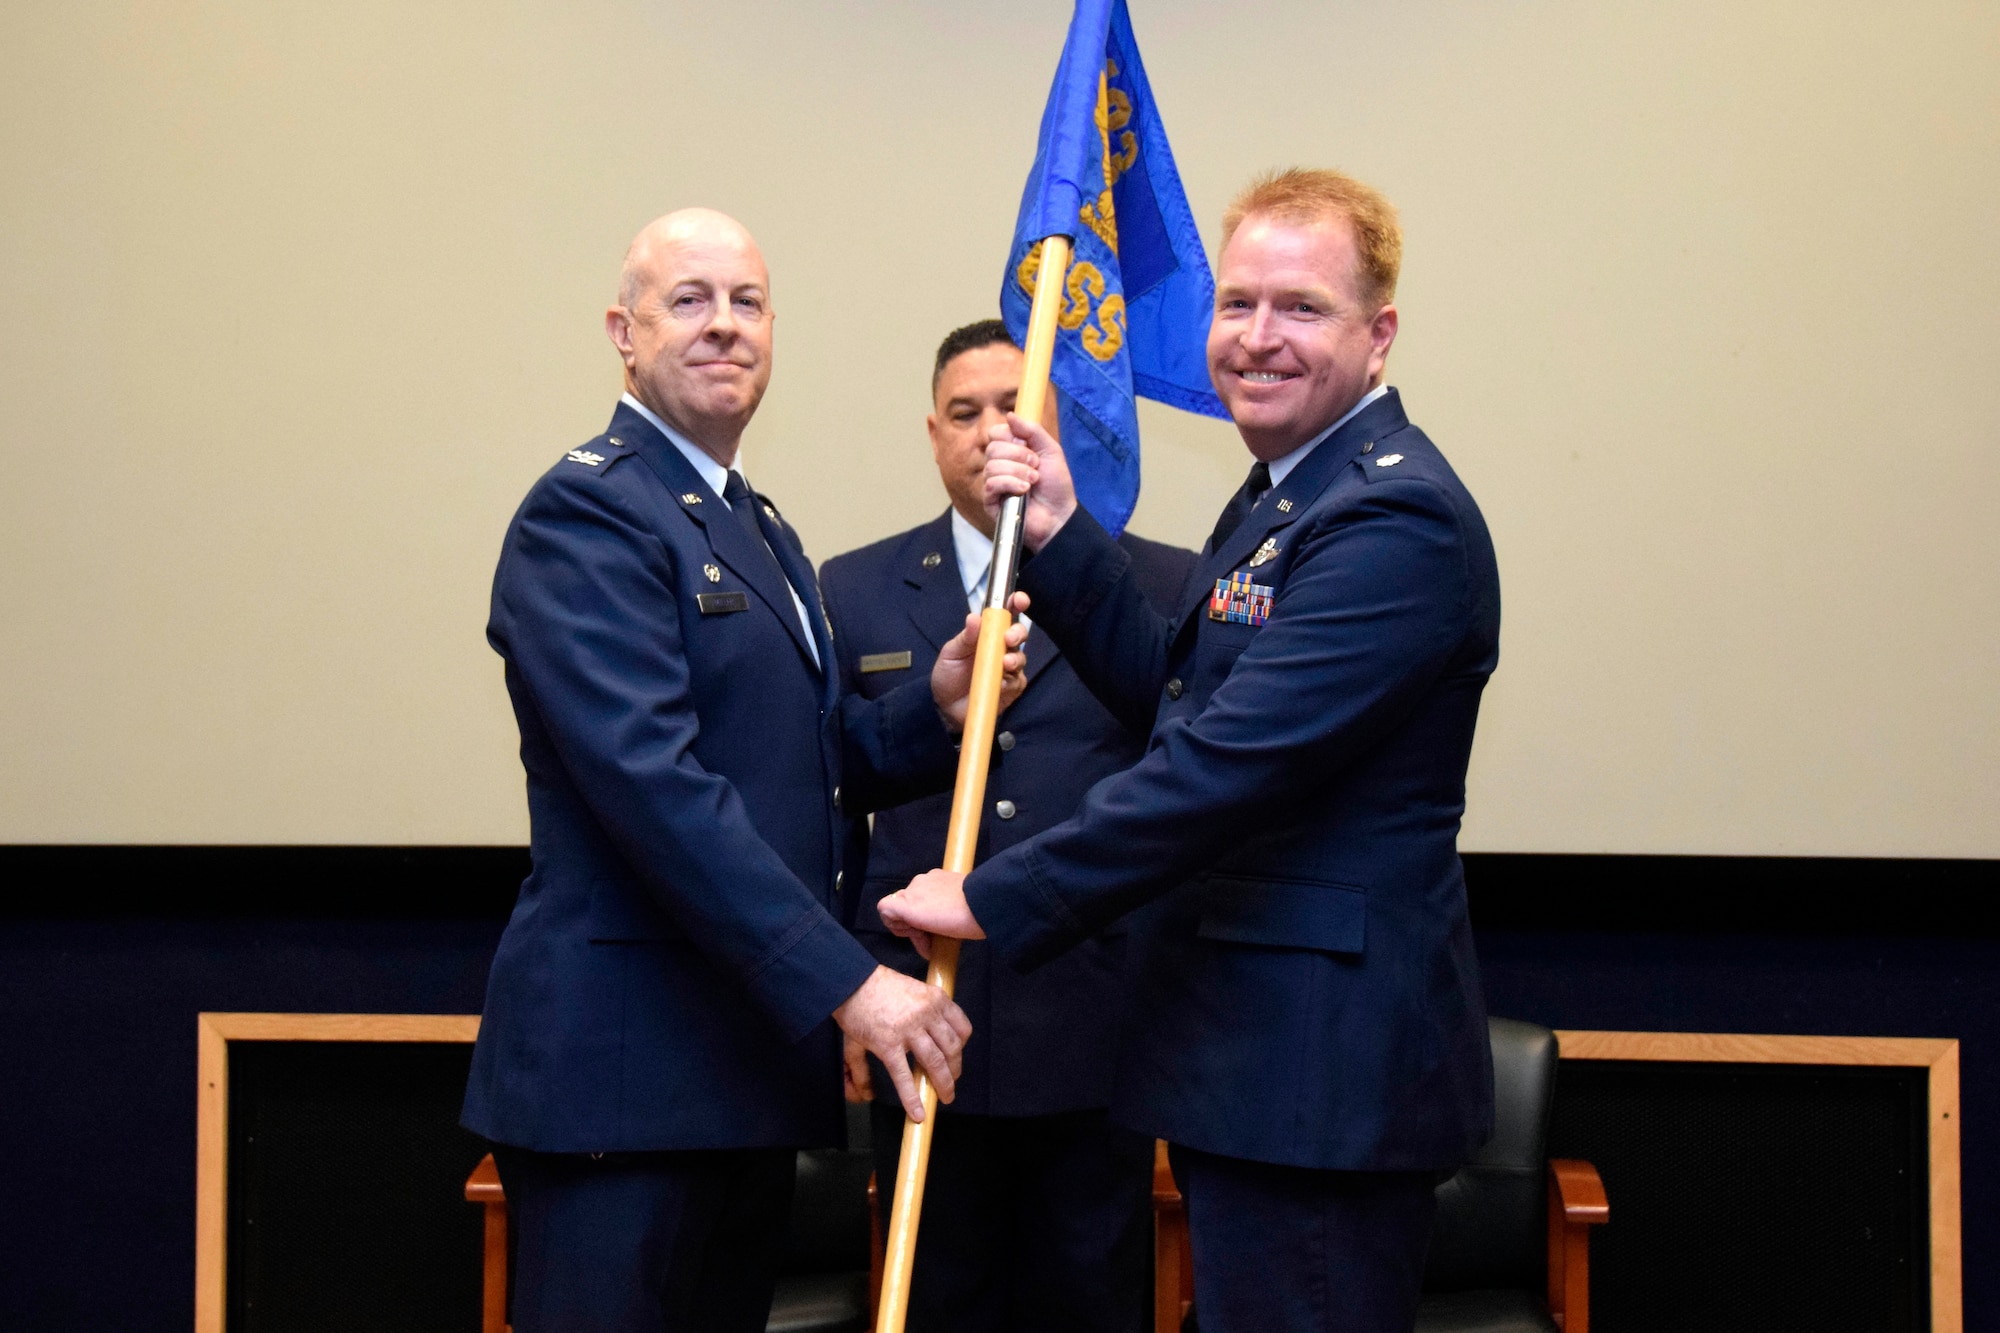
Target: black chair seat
point(820, 1303)
point(1491, 1311)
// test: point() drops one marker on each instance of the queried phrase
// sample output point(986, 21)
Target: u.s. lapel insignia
point(714, 574)
point(585, 457)
point(1265, 553)
point(691, 497)
point(1388, 460)
point(1284, 506)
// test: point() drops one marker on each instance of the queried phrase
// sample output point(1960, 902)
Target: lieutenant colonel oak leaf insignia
point(585, 457)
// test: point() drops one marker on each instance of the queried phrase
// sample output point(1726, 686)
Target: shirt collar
point(712, 472)
point(1282, 467)
point(975, 553)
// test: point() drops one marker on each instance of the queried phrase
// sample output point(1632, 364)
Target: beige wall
point(296, 300)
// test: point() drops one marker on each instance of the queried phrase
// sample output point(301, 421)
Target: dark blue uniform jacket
point(1045, 1041)
point(1307, 992)
point(668, 973)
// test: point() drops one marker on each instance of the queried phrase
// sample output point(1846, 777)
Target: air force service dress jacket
point(667, 977)
point(1045, 1041)
point(1307, 992)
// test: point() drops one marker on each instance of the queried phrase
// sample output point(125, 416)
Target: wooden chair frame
point(1173, 1281)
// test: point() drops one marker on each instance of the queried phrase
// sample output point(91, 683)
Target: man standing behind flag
point(1035, 1207)
point(1307, 1026)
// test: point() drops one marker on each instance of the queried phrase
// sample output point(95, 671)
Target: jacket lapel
point(728, 540)
point(1283, 503)
point(936, 601)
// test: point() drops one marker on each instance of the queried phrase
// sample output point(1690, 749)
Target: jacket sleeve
point(585, 609)
point(1083, 590)
point(1375, 604)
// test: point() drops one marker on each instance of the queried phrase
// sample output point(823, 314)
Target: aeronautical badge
point(585, 457)
point(1265, 553)
point(1238, 601)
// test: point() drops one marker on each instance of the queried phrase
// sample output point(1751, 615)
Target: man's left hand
point(951, 677)
point(933, 904)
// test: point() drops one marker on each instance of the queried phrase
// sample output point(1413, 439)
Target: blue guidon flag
point(1139, 296)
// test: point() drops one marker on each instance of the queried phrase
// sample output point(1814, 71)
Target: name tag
point(885, 662)
point(1238, 601)
point(721, 603)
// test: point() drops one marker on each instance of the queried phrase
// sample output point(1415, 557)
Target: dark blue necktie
point(1239, 506)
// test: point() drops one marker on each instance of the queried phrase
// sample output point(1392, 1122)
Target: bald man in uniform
point(664, 1020)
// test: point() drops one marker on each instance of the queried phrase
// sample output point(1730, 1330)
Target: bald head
point(658, 239)
point(693, 325)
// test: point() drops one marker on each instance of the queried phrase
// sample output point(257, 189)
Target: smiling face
point(975, 392)
point(1293, 344)
point(693, 325)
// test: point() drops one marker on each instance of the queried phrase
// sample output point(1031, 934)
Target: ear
point(937, 445)
point(1381, 336)
point(618, 328)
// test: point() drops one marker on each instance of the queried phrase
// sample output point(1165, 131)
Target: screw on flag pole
point(1108, 291)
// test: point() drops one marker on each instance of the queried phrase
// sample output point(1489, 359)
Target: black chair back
point(1492, 1223)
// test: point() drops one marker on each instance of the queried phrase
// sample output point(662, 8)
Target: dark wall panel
point(106, 955)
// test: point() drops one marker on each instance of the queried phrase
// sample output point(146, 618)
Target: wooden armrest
point(1165, 1192)
point(1580, 1190)
point(483, 1185)
point(1576, 1204)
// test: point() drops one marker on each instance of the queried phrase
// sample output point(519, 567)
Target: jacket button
point(1005, 740)
point(1005, 809)
point(836, 798)
point(838, 876)
point(1175, 689)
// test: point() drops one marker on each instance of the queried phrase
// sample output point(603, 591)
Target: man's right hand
point(897, 1018)
point(1024, 459)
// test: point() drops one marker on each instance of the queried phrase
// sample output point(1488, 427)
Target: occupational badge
point(1265, 553)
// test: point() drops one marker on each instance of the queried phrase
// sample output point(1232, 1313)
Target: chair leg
point(483, 1187)
point(1173, 1263)
point(1576, 1204)
point(876, 1247)
point(493, 1318)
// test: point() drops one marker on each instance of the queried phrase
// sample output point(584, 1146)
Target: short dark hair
point(980, 333)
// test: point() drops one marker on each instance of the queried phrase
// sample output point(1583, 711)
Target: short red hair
point(1304, 195)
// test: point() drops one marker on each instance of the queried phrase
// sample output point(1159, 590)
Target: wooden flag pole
point(969, 794)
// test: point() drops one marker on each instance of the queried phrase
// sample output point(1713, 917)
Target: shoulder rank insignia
point(585, 457)
point(1388, 460)
point(1238, 601)
point(1265, 553)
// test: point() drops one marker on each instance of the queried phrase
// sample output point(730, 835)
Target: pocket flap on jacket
point(1285, 913)
point(621, 912)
